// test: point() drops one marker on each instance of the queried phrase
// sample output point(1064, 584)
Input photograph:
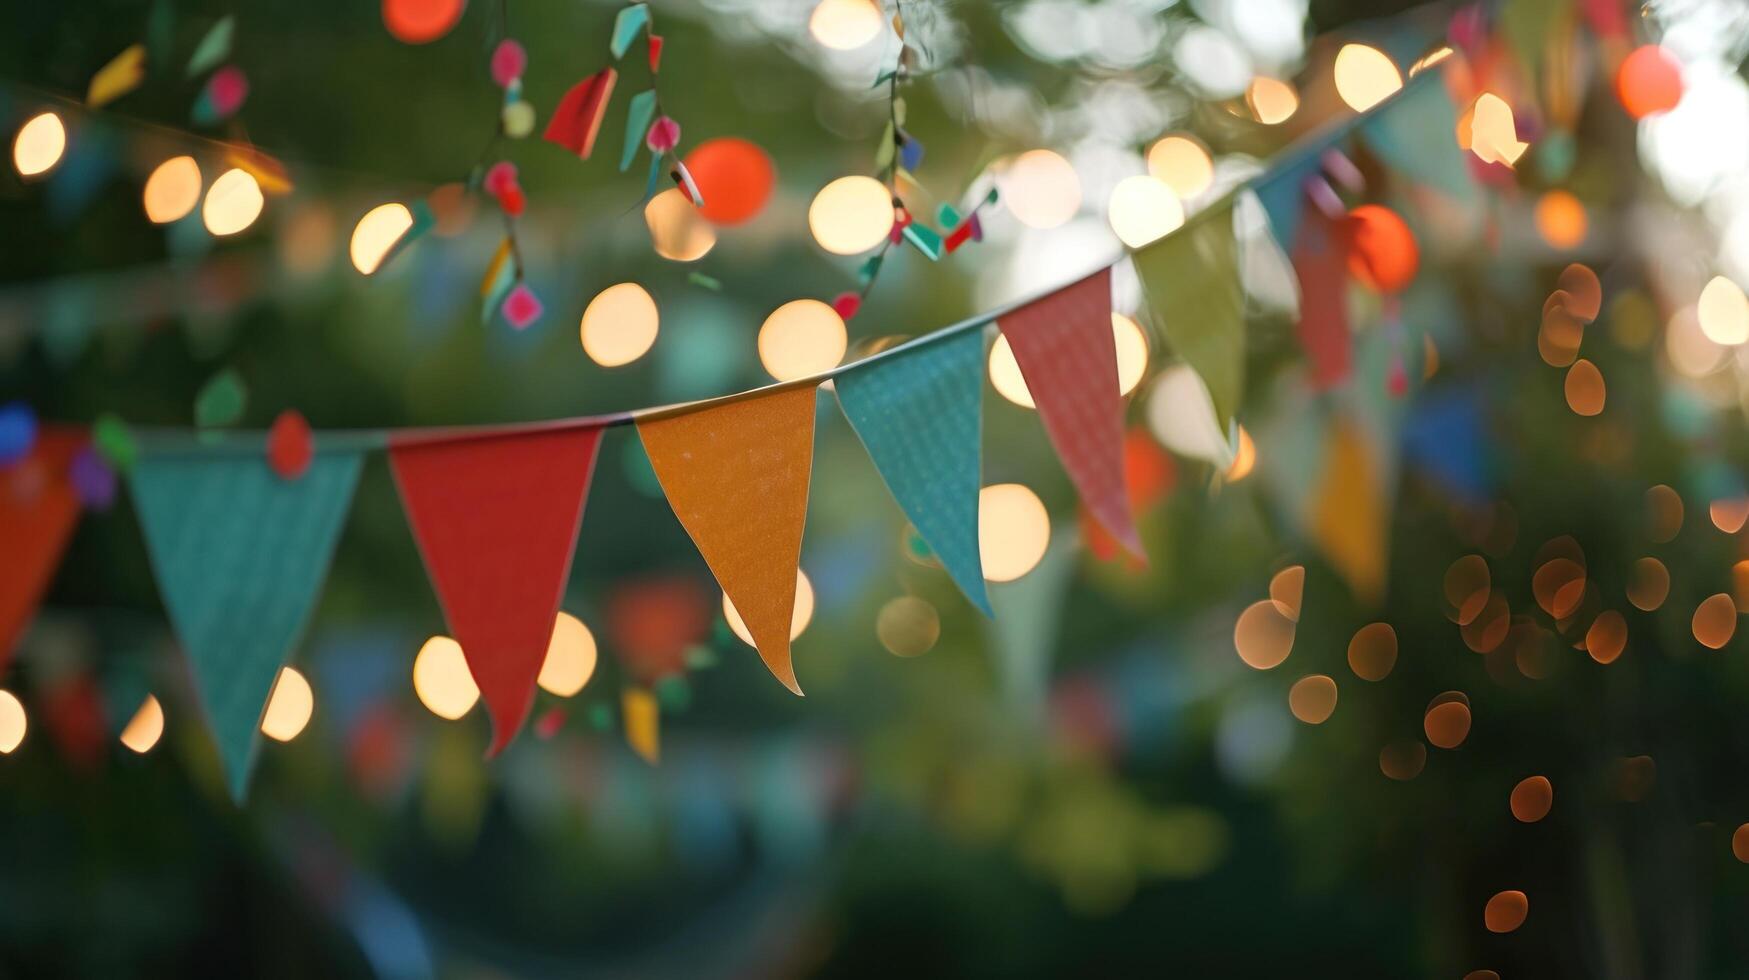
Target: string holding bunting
point(1068, 358)
point(496, 519)
point(736, 475)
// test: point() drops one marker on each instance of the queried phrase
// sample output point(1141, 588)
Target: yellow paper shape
point(736, 474)
point(1350, 515)
point(643, 721)
point(122, 75)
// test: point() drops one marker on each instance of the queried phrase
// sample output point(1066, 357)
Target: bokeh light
point(1691, 351)
point(1648, 584)
point(1729, 514)
point(442, 680)
point(1715, 621)
point(289, 707)
point(1382, 252)
point(1312, 699)
point(172, 190)
point(1663, 513)
point(1041, 189)
point(908, 626)
point(1649, 81)
point(619, 325)
point(1372, 653)
point(1447, 721)
point(1559, 586)
point(1403, 761)
point(1506, 911)
point(376, 233)
point(1560, 219)
point(1585, 389)
point(1531, 799)
point(1492, 131)
point(851, 215)
point(677, 231)
point(12, 722)
point(1723, 312)
point(1467, 583)
point(1287, 589)
point(1365, 76)
point(1182, 415)
point(1607, 637)
point(845, 25)
point(421, 21)
point(1740, 843)
point(1143, 209)
point(735, 177)
point(800, 338)
point(1272, 100)
point(570, 658)
point(1263, 635)
point(1132, 362)
point(1582, 291)
point(799, 618)
point(39, 145)
point(233, 203)
point(1244, 458)
point(1013, 531)
point(146, 727)
point(1181, 162)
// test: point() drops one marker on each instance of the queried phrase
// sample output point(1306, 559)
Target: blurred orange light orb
point(1648, 82)
point(1560, 219)
point(1381, 249)
point(734, 175)
point(421, 21)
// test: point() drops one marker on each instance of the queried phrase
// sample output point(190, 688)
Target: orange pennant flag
point(737, 476)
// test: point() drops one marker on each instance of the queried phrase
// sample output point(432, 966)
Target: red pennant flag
point(1321, 265)
point(38, 507)
point(1063, 344)
point(496, 519)
point(577, 118)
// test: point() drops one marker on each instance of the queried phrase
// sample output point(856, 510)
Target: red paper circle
point(290, 445)
point(1381, 249)
point(734, 176)
point(421, 21)
point(1649, 81)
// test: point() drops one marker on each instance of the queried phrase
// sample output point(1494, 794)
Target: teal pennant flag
point(1416, 134)
point(1191, 279)
point(1282, 192)
point(919, 413)
point(240, 555)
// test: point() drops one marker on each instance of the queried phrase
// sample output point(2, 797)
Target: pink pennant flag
point(496, 519)
point(1321, 264)
point(1064, 346)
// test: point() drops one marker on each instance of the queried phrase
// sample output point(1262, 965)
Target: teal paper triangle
point(639, 112)
point(626, 25)
point(240, 555)
point(1282, 192)
point(919, 413)
point(1416, 134)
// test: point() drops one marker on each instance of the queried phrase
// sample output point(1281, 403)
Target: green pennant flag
point(1191, 278)
point(919, 412)
point(1417, 134)
point(240, 555)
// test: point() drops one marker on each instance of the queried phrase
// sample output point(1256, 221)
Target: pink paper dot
point(228, 88)
point(522, 307)
point(846, 304)
point(509, 61)
point(500, 178)
point(664, 135)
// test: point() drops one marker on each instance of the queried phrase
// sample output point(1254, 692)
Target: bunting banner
point(1321, 265)
point(240, 555)
point(1282, 192)
point(38, 509)
point(1416, 137)
point(1068, 358)
point(920, 416)
point(736, 475)
point(1191, 279)
point(496, 518)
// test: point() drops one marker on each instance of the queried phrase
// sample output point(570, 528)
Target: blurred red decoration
point(1381, 249)
point(846, 304)
point(1149, 475)
point(1648, 82)
point(290, 445)
point(509, 61)
point(653, 622)
point(421, 21)
point(734, 176)
point(664, 135)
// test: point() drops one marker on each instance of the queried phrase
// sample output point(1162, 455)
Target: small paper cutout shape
point(290, 445)
point(213, 49)
point(639, 112)
point(496, 519)
point(122, 75)
point(737, 476)
point(643, 720)
point(576, 120)
point(626, 25)
point(919, 414)
point(1064, 346)
point(38, 508)
point(240, 556)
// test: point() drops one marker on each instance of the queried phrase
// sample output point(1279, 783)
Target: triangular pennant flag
point(919, 413)
point(577, 118)
point(240, 555)
point(38, 508)
point(1416, 134)
point(1191, 278)
point(1282, 192)
point(1350, 512)
point(1321, 265)
point(737, 477)
point(1068, 357)
point(496, 519)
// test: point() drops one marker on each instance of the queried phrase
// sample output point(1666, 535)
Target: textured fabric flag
point(737, 477)
point(38, 508)
point(240, 555)
point(1416, 134)
point(576, 120)
point(1321, 265)
point(1064, 346)
point(496, 519)
point(1191, 278)
point(919, 413)
point(1282, 192)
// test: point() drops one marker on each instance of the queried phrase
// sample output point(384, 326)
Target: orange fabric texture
point(737, 477)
